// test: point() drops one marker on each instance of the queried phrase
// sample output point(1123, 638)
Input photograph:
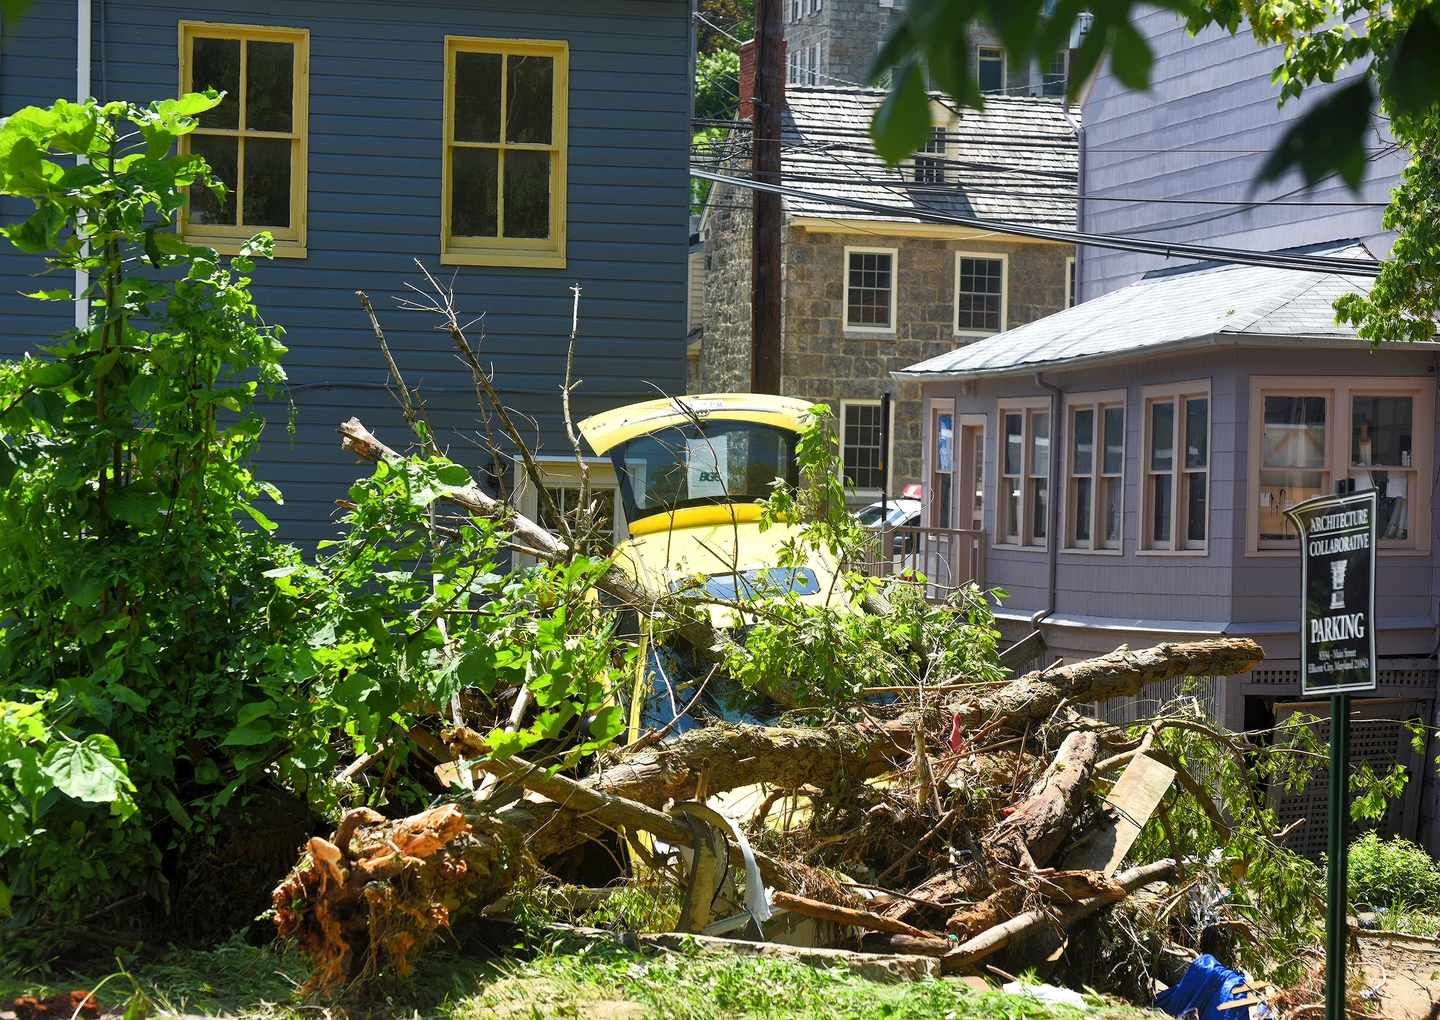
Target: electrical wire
point(1276, 260)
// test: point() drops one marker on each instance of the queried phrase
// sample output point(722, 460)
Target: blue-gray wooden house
point(513, 149)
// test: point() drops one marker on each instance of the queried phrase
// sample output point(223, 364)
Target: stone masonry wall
point(822, 363)
point(819, 361)
point(724, 363)
point(850, 33)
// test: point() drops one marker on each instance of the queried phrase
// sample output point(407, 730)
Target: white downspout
point(82, 93)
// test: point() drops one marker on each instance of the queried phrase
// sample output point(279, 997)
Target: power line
point(1236, 256)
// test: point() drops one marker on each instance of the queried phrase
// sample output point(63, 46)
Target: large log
point(845, 915)
point(1022, 926)
point(1123, 672)
point(730, 756)
point(1031, 834)
point(618, 812)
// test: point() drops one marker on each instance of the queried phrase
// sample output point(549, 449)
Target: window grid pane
point(257, 171)
point(504, 102)
point(870, 289)
point(1294, 448)
point(862, 461)
point(978, 293)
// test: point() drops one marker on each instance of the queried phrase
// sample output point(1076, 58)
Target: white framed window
point(1095, 471)
point(1175, 502)
point(862, 459)
point(1070, 282)
point(815, 65)
point(1307, 433)
point(1057, 75)
point(601, 523)
point(928, 166)
point(990, 69)
point(1022, 511)
point(870, 289)
point(980, 293)
point(944, 458)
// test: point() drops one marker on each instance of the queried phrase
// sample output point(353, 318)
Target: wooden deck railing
point(948, 558)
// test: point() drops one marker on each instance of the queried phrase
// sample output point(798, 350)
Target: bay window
point(1176, 459)
point(1023, 509)
point(1312, 433)
point(1095, 497)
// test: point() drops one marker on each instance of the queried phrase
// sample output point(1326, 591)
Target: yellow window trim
point(548, 253)
point(290, 241)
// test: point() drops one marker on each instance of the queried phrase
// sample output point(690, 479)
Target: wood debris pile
point(960, 825)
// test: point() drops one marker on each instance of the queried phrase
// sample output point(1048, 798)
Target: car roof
point(611, 428)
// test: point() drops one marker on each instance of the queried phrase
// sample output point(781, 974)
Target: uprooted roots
point(364, 906)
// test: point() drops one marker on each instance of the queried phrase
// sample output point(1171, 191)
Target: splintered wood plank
point(1128, 807)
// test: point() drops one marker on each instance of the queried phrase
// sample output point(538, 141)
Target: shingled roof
point(1014, 161)
point(1204, 305)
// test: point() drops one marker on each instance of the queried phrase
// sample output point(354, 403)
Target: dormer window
point(930, 161)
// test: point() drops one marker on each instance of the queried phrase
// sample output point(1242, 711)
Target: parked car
point(692, 472)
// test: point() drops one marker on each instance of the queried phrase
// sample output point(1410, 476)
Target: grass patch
point(567, 978)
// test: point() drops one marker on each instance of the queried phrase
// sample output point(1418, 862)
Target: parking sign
point(1337, 584)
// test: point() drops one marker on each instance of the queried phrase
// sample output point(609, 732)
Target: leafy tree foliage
point(161, 658)
point(717, 83)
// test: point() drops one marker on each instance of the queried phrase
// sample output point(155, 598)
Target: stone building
point(833, 42)
point(867, 292)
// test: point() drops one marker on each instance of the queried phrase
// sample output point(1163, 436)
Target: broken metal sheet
point(1129, 806)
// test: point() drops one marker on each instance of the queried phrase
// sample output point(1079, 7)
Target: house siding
point(375, 129)
point(1201, 133)
point(1143, 596)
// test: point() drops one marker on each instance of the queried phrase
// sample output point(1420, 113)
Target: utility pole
point(768, 216)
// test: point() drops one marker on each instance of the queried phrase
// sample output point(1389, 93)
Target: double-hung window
point(929, 166)
point(1095, 498)
point(503, 192)
point(1175, 503)
point(1311, 433)
point(1054, 80)
point(870, 290)
point(1023, 507)
point(862, 456)
point(255, 140)
point(979, 293)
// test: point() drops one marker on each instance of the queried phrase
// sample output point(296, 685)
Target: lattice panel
point(1148, 703)
point(1381, 740)
point(1404, 679)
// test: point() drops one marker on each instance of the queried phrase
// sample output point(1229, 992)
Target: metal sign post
point(1337, 657)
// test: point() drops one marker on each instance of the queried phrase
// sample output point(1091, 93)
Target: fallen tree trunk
point(731, 756)
point(845, 915)
point(1022, 926)
point(1029, 837)
point(1123, 672)
point(618, 812)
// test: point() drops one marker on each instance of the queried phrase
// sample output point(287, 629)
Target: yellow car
point(692, 471)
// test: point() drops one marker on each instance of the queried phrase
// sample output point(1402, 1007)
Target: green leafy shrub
point(162, 659)
point(1392, 873)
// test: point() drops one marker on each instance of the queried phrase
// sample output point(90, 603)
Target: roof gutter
point(1189, 343)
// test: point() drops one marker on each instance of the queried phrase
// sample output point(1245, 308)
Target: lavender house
point(1131, 458)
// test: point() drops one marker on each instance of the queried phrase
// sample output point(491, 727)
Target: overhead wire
point(1209, 253)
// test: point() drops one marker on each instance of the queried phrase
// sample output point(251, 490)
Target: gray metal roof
point(1168, 311)
point(1013, 161)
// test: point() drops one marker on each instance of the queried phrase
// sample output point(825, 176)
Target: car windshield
point(757, 583)
point(705, 462)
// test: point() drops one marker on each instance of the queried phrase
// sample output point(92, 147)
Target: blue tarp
point(1204, 987)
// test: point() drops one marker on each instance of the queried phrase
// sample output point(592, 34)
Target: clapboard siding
point(375, 151)
point(1201, 132)
point(1225, 588)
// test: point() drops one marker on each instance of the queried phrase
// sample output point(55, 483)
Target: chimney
point(747, 76)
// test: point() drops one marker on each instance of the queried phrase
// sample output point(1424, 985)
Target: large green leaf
point(134, 505)
point(1412, 80)
point(90, 770)
point(902, 124)
point(1329, 139)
